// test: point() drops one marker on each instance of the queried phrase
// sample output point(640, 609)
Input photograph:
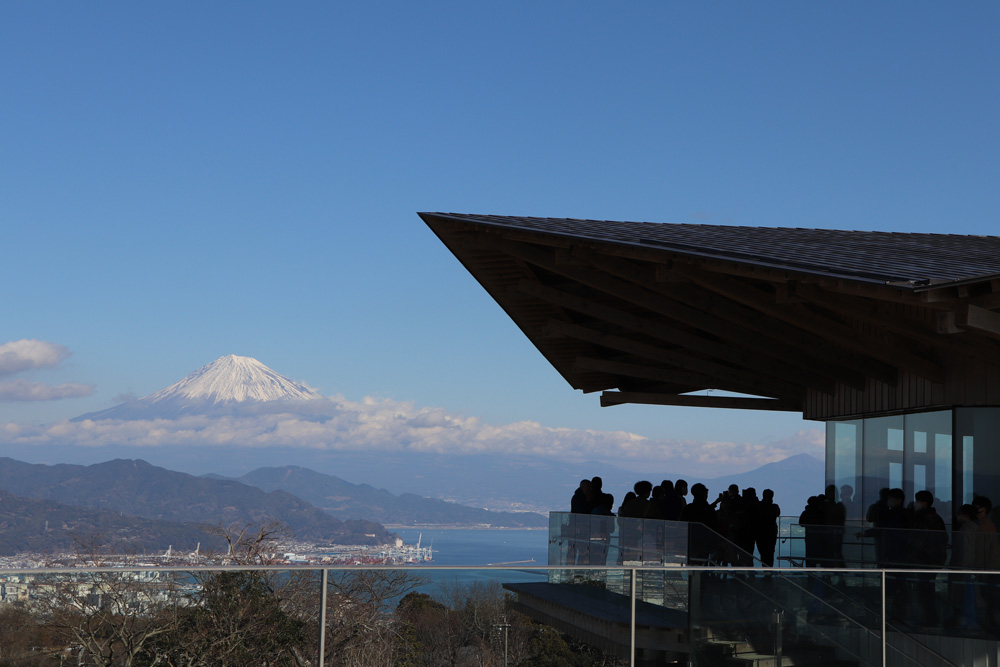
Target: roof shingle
point(890, 257)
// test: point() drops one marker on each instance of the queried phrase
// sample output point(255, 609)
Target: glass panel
point(980, 432)
point(844, 464)
point(943, 498)
point(895, 475)
point(928, 462)
point(879, 433)
point(919, 477)
point(968, 456)
point(895, 439)
point(806, 616)
point(492, 616)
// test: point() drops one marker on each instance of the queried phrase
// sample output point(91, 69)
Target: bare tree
point(361, 628)
point(111, 616)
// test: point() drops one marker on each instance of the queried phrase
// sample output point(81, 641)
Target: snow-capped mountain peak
point(234, 378)
point(228, 382)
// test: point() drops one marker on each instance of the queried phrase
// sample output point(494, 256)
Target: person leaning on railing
point(961, 589)
point(928, 548)
point(987, 558)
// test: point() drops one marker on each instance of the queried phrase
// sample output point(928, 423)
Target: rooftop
point(914, 260)
point(831, 323)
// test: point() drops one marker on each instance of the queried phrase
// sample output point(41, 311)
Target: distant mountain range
point(507, 481)
point(136, 488)
point(345, 500)
point(44, 526)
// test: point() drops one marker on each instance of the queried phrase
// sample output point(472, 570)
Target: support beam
point(610, 398)
point(977, 319)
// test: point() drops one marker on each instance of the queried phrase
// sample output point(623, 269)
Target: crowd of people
point(744, 519)
point(905, 536)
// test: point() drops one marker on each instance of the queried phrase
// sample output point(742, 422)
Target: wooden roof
point(831, 323)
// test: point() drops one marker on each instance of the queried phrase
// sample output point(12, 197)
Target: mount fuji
point(226, 384)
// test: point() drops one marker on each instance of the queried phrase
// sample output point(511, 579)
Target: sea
point(464, 548)
point(481, 546)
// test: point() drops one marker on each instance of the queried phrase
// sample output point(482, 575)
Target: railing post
point(778, 641)
point(322, 618)
point(631, 655)
point(883, 618)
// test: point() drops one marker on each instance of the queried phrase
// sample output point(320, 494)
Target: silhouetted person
point(812, 521)
point(671, 501)
point(628, 529)
point(835, 518)
point(629, 497)
point(636, 508)
point(577, 532)
point(654, 509)
point(601, 527)
point(605, 506)
point(743, 526)
point(895, 521)
point(580, 503)
point(701, 541)
point(928, 549)
point(961, 589)
point(987, 558)
point(596, 491)
point(852, 510)
point(874, 516)
point(681, 488)
point(765, 527)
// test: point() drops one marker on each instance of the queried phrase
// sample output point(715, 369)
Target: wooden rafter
point(980, 320)
point(751, 329)
point(833, 331)
point(722, 351)
point(806, 372)
point(876, 313)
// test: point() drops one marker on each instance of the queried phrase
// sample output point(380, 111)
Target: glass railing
point(828, 604)
point(859, 545)
point(430, 615)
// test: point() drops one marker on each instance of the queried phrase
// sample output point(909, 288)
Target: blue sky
point(180, 181)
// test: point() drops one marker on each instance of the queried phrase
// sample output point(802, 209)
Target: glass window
point(927, 463)
point(843, 465)
point(883, 445)
point(979, 429)
point(968, 456)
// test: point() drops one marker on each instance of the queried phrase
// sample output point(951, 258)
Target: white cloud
point(373, 425)
point(23, 390)
point(27, 354)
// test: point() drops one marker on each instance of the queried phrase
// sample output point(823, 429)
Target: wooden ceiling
point(651, 323)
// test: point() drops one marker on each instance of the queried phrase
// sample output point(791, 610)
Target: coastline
point(445, 526)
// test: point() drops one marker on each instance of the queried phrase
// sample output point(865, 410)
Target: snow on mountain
point(227, 382)
point(234, 378)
